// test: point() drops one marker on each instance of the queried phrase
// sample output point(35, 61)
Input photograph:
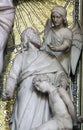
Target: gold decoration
point(32, 13)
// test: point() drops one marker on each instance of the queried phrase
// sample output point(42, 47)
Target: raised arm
point(65, 97)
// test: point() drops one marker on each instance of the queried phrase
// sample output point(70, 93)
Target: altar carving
point(55, 54)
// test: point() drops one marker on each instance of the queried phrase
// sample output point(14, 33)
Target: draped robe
point(57, 38)
point(7, 13)
point(31, 107)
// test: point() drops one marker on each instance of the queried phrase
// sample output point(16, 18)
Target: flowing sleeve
point(13, 76)
point(68, 37)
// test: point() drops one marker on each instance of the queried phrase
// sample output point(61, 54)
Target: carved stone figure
point(6, 21)
point(31, 108)
point(58, 37)
point(64, 43)
point(62, 108)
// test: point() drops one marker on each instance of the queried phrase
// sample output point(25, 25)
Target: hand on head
point(42, 83)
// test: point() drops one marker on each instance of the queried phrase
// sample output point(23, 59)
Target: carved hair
point(62, 11)
point(30, 35)
point(42, 77)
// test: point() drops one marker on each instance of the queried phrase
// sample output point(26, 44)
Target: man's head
point(29, 35)
point(42, 83)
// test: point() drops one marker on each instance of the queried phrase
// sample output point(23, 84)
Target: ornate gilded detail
point(32, 13)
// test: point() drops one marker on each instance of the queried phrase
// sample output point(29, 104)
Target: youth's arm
point(65, 97)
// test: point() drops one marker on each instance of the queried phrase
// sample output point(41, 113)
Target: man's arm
point(65, 97)
point(12, 78)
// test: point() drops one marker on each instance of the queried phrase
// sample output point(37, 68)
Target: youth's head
point(30, 36)
point(42, 83)
point(58, 16)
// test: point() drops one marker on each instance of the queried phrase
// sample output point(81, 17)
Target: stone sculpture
point(62, 108)
point(31, 108)
point(7, 13)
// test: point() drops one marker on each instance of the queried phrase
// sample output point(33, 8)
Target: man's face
point(57, 19)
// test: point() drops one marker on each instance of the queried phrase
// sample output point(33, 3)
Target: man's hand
point(5, 96)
